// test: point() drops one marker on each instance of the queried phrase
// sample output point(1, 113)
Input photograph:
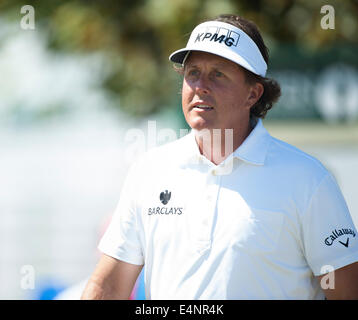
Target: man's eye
point(218, 74)
point(193, 72)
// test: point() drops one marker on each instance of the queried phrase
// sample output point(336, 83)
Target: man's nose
point(202, 85)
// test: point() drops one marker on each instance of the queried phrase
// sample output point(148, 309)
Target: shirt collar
point(253, 150)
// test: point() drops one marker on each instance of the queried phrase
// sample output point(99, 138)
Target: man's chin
point(201, 124)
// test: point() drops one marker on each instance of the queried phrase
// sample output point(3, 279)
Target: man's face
point(215, 94)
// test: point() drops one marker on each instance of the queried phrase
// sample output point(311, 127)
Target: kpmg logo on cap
point(217, 34)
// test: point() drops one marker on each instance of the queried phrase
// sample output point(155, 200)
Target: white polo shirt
point(259, 226)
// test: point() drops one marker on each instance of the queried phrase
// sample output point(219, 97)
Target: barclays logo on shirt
point(164, 198)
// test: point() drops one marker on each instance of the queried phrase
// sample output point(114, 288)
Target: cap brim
point(179, 55)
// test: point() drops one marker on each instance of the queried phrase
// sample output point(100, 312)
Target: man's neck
point(217, 144)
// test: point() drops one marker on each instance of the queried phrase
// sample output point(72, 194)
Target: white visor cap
point(224, 40)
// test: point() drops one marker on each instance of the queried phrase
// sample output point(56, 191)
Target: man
point(228, 212)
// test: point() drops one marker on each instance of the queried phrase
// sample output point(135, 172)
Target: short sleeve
point(329, 235)
point(121, 239)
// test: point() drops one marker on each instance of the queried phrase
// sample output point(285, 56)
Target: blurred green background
point(79, 87)
point(136, 37)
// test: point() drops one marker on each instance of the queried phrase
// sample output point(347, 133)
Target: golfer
point(228, 211)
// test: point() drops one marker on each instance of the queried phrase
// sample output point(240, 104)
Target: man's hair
point(272, 90)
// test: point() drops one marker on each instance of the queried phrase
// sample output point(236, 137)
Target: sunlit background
point(90, 74)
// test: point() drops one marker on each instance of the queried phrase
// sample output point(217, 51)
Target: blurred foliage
point(137, 36)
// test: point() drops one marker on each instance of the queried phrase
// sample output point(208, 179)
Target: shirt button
point(213, 172)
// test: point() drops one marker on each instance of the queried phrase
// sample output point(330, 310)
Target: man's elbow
point(96, 290)
point(93, 291)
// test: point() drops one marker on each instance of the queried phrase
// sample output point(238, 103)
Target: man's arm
point(112, 279)
point(345, 283)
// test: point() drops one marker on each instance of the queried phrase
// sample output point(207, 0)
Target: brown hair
point(272, 90)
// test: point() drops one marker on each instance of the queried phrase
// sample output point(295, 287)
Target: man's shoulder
point(293, 158)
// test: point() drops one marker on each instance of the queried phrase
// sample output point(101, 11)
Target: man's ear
point(256, 91)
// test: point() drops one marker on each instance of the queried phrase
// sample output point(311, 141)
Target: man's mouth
point(203, 107)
